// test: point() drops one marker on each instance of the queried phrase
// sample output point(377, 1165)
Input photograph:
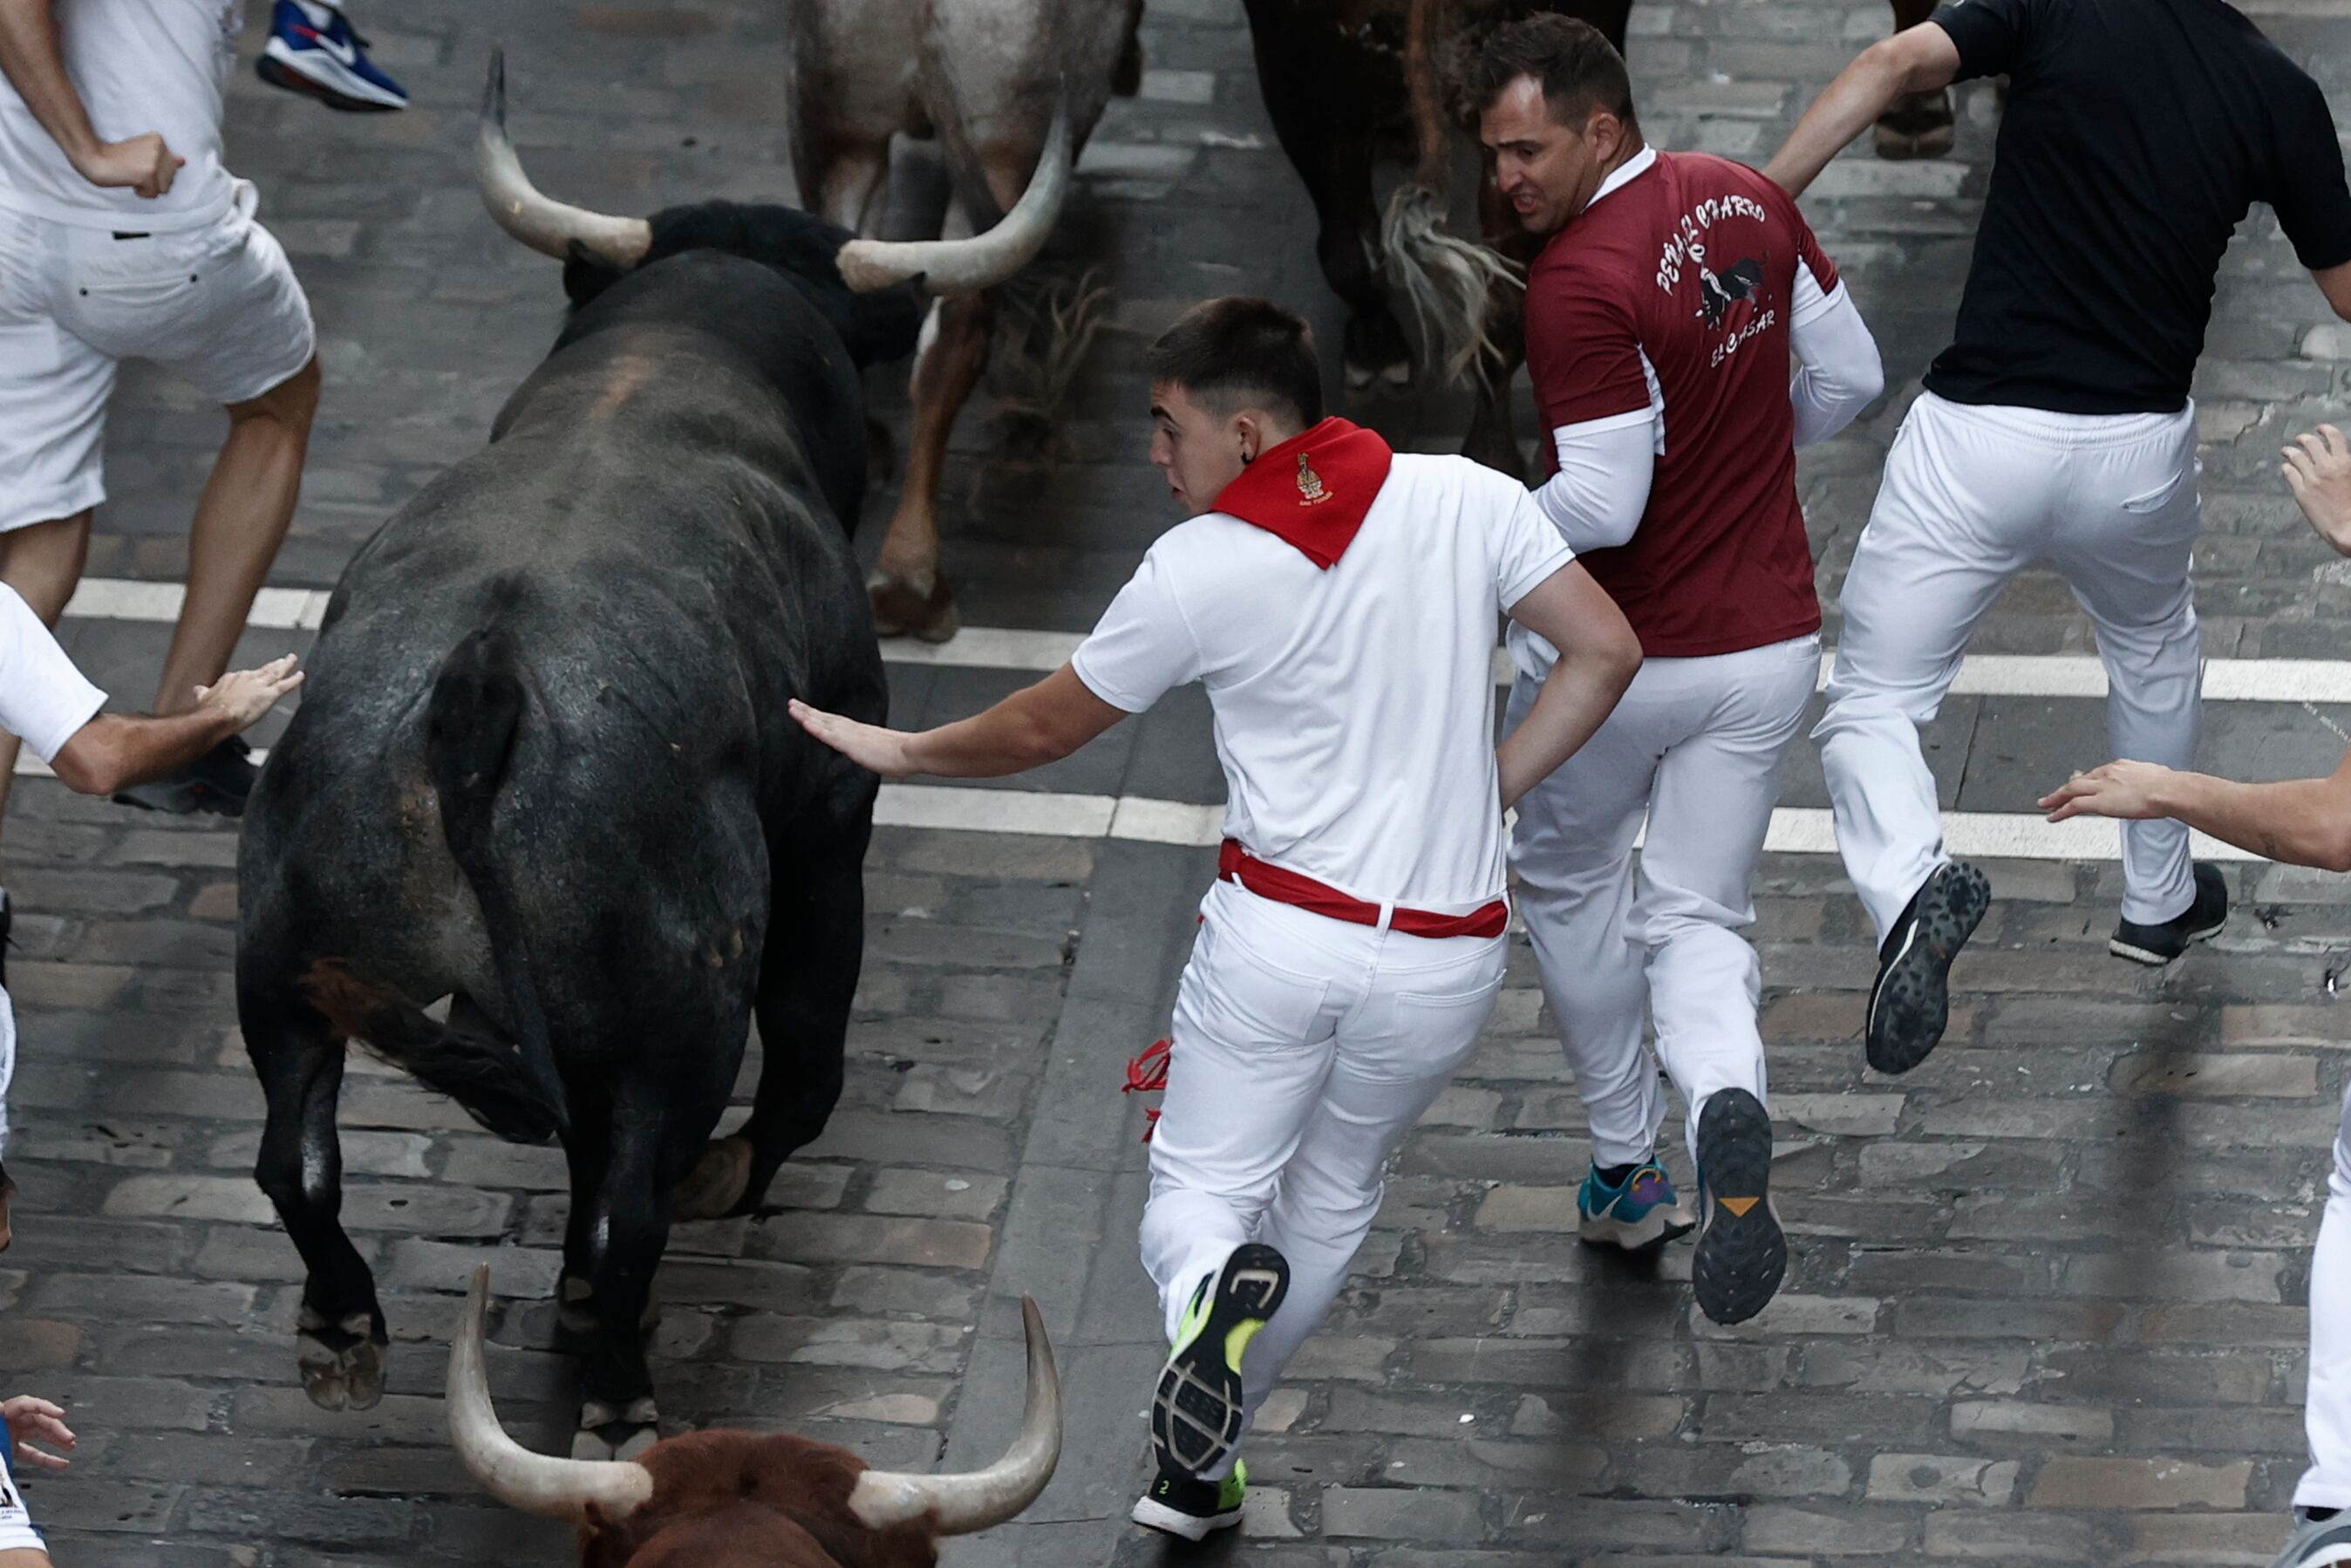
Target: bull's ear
point(586, 274)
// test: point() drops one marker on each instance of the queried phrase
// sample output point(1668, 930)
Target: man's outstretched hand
point(2124, 789)
point(867, 745)
point(2318, 471)
point(244, 695)
point(34, 1421)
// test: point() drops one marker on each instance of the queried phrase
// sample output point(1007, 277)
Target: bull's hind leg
point(808, 983)
point(908, 592)
point(299, 1054)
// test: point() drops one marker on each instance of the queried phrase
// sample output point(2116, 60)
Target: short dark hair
point(1240, 352)
point(1579, 70)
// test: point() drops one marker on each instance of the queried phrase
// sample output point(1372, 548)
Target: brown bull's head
point(744, 1500)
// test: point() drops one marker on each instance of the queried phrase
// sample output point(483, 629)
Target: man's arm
point(2334, 282)
point(1034, 726)
point(1598, 657)
point(113, 751)
point(1915, 59)
point(1605, 468)
point(2318, 471)
point(1840, 372)
point(2305, 822)
point(35, 64)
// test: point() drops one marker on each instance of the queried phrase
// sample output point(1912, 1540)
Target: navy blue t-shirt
point(2136, 135)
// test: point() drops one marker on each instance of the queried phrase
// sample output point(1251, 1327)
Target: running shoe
point(219, 781)
point(1196, 1411)
point(314, 50)
point(1639, 1213)
point(2161, 944)
point(2317, 1543)
point(1741, 1254)
point(1182, 1504)
point(1911, 1001)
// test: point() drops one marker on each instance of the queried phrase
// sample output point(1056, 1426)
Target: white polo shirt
point(1354, 707)
point(43, 698)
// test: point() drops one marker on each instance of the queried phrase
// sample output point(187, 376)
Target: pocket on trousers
point(1247, 997)
point(2163, 495)
point(119, 305)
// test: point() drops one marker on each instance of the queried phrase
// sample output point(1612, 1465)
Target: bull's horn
point(535, 1483)
point(547, 226)
point(958, 1505)
point(983, 261)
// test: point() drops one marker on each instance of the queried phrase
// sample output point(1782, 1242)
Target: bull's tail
point(476, 709)
point(1446, 282)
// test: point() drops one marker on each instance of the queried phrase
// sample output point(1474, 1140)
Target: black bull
point(543, 768)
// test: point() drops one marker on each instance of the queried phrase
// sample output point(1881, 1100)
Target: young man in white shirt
point(2302, 821)
point(1339, 601)
point(123, 236)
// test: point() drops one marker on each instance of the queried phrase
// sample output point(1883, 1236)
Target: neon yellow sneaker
point(1196, 1411)
point(1185, 1505)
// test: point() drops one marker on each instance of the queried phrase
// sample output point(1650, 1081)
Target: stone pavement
point(2045, 1304)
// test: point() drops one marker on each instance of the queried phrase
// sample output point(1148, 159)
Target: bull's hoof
point(342, 1364)
point(606, 1433)
point(715, 1186)
point(1393, 376)
point(912, 606)
point(1919, 125)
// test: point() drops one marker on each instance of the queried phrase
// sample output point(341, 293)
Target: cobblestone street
point(2046, 1297)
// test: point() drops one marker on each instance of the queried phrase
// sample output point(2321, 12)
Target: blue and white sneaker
point(1637, 1214)
point(2317, 1542)
point(314, 50)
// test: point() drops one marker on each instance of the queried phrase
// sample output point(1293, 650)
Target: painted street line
point(1006, 648)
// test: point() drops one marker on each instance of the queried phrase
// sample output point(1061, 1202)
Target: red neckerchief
point(1314, 490)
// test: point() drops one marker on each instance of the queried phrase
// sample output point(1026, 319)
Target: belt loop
point(1387, 918)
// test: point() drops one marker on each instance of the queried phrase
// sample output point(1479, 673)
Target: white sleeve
point(1596, 498)
point(1841, 371)
point(1527, 551)
point(43, 698)
point(1143, 647)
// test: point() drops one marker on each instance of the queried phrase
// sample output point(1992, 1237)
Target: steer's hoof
point(606, 1433)
point(1393, 376)
point(918, 606)
point(1919, 125)
point(342, 1363)
point(715, 1186)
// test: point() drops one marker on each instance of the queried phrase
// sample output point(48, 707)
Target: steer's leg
point(1491, 439)
point(300, 1058)
point(908, 593)
point(807, 982)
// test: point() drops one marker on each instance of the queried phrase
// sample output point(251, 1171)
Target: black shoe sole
point(2122, 947)
point(1196, 1411)
point(180, 798)
point(1742, 1254)
point(1911, 1003)
point(277, 75)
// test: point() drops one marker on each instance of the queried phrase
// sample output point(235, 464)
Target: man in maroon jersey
point(1659, 320)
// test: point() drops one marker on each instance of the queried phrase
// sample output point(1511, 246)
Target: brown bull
point(748, 1499)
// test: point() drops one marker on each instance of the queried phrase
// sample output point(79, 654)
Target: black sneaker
point(1911, 1001)
point(1185, 1505)
point(1741, 1254)
point(2161, 943)
point(1196, 1411)
point(219, 781)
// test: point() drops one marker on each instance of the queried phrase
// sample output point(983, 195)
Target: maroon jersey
point(1674, 293)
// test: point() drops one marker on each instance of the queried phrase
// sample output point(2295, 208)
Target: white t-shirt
point(43, 698)
point(1354, 707)
point(139, 66)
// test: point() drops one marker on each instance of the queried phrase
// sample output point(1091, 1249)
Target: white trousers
point(1304, 1049)
point(1971, 496)
point(2326, 1415)
point(1696, 744)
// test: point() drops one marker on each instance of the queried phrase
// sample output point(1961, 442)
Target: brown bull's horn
point(983, 261)
point(558, 1488)
point(958, 1505)
point(547, 226)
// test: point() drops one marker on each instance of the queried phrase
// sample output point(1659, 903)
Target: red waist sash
point(1235, 863)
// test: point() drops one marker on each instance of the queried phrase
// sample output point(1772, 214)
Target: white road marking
point(1006, 648)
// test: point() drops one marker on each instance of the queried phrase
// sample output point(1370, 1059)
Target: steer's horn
point(546, 226)
point(983, 261)
point(958, 1505)
point(558, 1488)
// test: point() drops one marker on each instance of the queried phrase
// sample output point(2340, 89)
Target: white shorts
point(218, 307)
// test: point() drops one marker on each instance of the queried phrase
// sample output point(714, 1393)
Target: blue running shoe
point(1639, 1213)
point(314, 50)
